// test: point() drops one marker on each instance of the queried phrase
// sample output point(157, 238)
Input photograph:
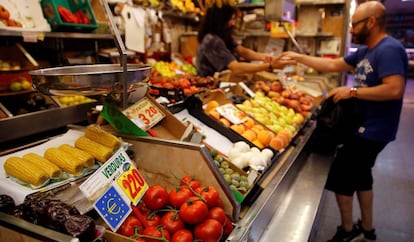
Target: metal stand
point(121, 49)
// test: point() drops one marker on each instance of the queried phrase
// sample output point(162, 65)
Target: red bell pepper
point(67, 15)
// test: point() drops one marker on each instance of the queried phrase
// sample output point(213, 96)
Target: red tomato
point(190, 182)
point(218, 214)
point(156, 197)
point(210, 230)
point(172, 222)
point(184, 83)
point(220, 203)
point(157, 232)
point(183, 235)
point(227, 228)
point(168, 85)
point(153, 219)
point(128, 226)
point(210, 194)
point(179, 195)
point(193, 211)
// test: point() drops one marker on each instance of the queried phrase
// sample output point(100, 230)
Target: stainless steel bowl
point(87, 79)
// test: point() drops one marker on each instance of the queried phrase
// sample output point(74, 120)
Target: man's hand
point(339, 93)
point(291, 55)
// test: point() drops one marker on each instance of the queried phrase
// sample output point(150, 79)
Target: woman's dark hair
point(215, 22)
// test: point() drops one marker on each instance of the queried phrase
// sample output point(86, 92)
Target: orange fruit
point(238, 128)
point(286, 132)
point(249, 134)
point(257, 127)
point(258, 144)
point(264, 137)
point(211, 105)
point(225, 122)
point(284, 138)
point(276, 143)
point(214, 114)
point(249, 123)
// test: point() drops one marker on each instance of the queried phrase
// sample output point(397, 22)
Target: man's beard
point(361, 37)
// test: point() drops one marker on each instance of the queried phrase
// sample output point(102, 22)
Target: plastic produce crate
point(50, 11)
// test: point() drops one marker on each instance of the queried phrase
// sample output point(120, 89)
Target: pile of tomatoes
point(190, 212)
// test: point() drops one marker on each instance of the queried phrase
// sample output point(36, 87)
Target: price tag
point(132, 184)
point(113, 187)
point(146, 112)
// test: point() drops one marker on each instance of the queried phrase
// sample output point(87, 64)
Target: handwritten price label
point(147, 113)
point(133, 185)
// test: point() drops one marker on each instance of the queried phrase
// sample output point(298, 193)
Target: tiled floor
point(393, 187)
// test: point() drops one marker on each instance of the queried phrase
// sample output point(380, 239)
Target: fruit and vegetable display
point(174, 81)
point(233, 170)
point(172, 69)
point(67, 160)
point(20, 84)
point(66, 101)
point(190, 212)
point(283, 121)
point(52, 214)
point(242, 155)
point(6, 20)
point(6, 65)
point(27, 102)
point(299, 101)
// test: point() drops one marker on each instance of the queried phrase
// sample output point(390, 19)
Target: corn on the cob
point(49, 167)
point(25, 171)
point(102, 137)
point(64, 160)
point(87, 159)
point(100, 152)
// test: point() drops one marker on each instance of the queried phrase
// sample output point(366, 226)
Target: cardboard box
point(169, 127)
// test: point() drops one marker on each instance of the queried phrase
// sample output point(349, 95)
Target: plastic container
point(50, 11)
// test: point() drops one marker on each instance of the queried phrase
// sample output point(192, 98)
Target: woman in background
point(218, 49)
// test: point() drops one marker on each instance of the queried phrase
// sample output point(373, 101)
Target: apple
point(273, 94)
point(25, 84)
point(15, 86)
point(276, 86)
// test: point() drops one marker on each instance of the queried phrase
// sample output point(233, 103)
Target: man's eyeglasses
point(354, 24)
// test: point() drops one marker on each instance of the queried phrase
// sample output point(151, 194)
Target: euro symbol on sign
point(112, 206)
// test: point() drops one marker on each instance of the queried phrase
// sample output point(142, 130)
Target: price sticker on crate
point(132, 184)
point(144, 114)
point(113, 187)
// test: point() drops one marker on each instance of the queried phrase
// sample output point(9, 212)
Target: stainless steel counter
point(286, 209)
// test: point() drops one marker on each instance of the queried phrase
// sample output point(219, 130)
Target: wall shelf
point(68, 35)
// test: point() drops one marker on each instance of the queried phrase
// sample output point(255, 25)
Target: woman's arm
point(250, 54)
point(247, 67)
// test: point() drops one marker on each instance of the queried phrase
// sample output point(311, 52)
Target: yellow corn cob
point(64, 160)
point(100, 152)
point(87, 159)
point(49, 167)
point(102, 137)
point(25, 171)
